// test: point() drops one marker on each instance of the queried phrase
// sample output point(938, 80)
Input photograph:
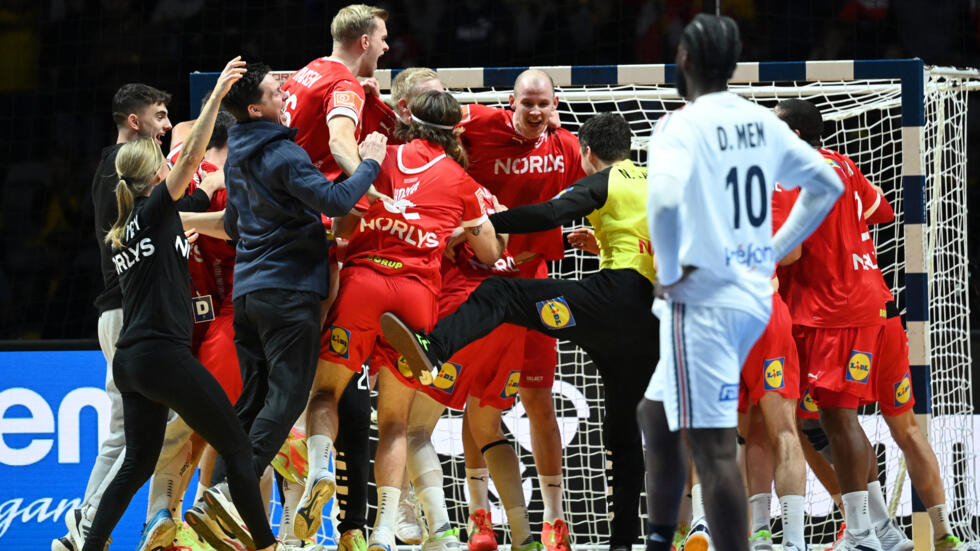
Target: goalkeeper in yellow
point(607, 314)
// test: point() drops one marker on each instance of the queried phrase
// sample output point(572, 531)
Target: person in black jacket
point(275, 200)
point(153, 366)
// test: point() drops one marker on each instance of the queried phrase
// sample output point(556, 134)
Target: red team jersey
point(829, 285)
point(322, 90)
point(519, 170)
point(399, 239)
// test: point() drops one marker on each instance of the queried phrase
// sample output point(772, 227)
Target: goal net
point(897, 127)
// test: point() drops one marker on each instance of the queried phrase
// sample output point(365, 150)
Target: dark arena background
point(62, 60)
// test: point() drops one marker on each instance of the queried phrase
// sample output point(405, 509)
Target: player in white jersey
point(713, 166)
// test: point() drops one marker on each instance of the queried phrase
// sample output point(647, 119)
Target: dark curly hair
point(608, 134)
point(714, 45)
point(245, 91)
point(436, 108)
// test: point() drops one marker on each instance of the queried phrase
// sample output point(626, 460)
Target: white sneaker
point(892, 537)
point(221, 509)
point(77, 527)
point(309, 514)
point(407, 528)
point(382, 540)
point(447, 540)
point(63, 543)
point(761, 540)
point(210, 530)
point(698, 539)
point(158, 532)
point(866, 541)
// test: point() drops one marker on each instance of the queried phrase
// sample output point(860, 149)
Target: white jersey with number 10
point(724, 155)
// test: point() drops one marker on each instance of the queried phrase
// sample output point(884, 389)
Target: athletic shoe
point(865, 541)
point(892, 537)
point(447, 540)
point(301, 546)
point(159, 532)
point(382, 540)
point(352, 540)
point(407, 527)
point(309, 513)
point(77, 527)
point(223, 510)
point(188, 540)
point(680, 534)
point(555, 536)
point(479, 530)
point(949, 542)
point(840, 535)
point(292, 461)
point(761, 540)
point(699, 538)
point(64, 543)
point(533, 546)
point(210, 530)
point(413, 346)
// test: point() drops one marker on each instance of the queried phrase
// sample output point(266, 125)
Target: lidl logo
point(903, 391)
point(510, 389)
point(807, 404)
point(447, 377)
point(555, 313)
point(859, 366)
point(773, 374)
point(339, 341)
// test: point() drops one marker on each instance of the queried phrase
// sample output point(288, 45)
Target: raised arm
point(194, 147)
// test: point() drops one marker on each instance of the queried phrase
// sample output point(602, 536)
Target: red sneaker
point(555, 536)
point(480, 532)
point(840, 535)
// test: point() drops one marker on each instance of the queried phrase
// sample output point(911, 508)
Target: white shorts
point(702, 349)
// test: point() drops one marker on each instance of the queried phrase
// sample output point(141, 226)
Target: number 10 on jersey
point(752, 193)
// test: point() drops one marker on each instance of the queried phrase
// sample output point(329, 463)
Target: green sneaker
point(447, 540)
point(949, 542)
point(761, 540)
point(533, 546)
point(352, 540)
point(680, 535)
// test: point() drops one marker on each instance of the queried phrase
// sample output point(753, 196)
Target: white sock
point(760, 506)
point(289, 491)
point(387, 509)
point(201, 488)
point(856, 511)
point(940, 520)
point(877, 508)
point(163, 486)
point(520, 526)
point(792, 513)
point(318, 448)
point(433, 500)
point(477, 481)
point(697, 506)
point(551, 486)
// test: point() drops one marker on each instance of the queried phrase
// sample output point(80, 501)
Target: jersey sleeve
point(345, 99)
point(378, 117)
point(474, 209)
point(158, 204)
point(871, 199)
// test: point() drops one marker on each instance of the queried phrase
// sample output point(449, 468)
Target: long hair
point(434, 118)
point(137, 163)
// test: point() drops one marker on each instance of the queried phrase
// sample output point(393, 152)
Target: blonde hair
point(137, 163)
point(354, 21)
point(406, 81)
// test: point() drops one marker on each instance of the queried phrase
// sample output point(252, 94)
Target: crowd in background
point(61, 60)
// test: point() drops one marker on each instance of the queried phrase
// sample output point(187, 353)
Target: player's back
point(323, 89)
point(727, 153)
point(432, 196)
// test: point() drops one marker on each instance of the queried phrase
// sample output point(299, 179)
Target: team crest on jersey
point(859, 367)
point(807, 403)
point(346, 98)
point(728, 393)
point(340, 341)
point(832, 162)
point(510, 389)
point(555, 313)
point(402, 365)
point(773, 374)
point(448, 375)
point(903, 391)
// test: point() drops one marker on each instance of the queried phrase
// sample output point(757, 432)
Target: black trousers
point(607, 315)
point(354, 453)
point(277, 337)
point(154, 377)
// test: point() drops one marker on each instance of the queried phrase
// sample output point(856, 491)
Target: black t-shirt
point(152, 269)
point(106, 210)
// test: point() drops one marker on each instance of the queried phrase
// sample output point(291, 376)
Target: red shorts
point(840, 363)
point(772, 365)
point(540, 350)
point(352, 331)
point(893, 382)
point(217, 353)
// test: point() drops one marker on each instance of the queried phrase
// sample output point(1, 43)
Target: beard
point(681, 83)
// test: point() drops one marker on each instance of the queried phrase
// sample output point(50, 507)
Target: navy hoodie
point(275, 197)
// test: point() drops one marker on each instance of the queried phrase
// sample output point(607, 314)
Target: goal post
point(904, 124)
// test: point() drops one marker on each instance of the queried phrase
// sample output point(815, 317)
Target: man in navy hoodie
point(275, 197)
